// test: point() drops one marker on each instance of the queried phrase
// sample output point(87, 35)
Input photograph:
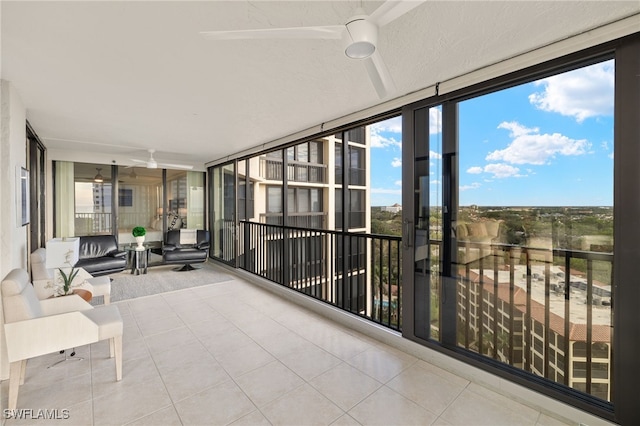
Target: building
point(221, 108)
point(396, 208)
point(514, 330)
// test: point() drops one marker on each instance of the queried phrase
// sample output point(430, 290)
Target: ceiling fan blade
point(325, 32)
point(175, 166)
point(138, 161)
point(392, 10)
point(379, 75)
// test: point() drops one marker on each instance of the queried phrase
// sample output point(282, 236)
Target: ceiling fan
point(359, 33)
point(151, 163)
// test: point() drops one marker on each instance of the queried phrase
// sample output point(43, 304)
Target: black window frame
point(626, 316)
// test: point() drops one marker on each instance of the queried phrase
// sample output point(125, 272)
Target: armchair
point(99, 255)
point(186, 246)
point(37, 327)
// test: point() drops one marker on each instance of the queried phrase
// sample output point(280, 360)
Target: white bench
point(36, 327)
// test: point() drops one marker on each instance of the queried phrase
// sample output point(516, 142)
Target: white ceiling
point(120, 77)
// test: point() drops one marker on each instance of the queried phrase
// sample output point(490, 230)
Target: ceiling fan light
point(98, 178)
point(360, 50)
point(362, 36)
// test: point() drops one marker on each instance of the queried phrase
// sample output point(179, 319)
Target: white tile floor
point(232, 353)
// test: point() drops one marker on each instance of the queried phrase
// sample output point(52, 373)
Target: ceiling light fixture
point(98, 178)
point(361, 37)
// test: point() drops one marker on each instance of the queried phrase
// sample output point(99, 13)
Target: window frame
point(625, 51)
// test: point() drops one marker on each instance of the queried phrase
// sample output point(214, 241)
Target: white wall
point(13, 153)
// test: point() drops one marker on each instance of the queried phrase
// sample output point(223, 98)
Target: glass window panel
point(274, 199)
point(303, 152)
point(338, 162)
point(315, 152)
point(291, 201)
point(524, 214)
point(316, 200)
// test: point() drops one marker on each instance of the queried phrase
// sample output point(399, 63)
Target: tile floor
point(232, 353)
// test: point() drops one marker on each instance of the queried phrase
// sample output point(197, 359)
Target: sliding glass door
point(223, 213)
point(509, 227)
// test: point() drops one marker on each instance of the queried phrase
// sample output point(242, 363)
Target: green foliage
point(139, 231)
point(68, 279)
point(385, 223)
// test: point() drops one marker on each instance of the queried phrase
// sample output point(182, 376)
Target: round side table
point(138, 259)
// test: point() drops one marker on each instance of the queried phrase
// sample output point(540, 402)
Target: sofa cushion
point(104, 264)
point(492, 227)
point(108, 319)
point(19, 299)
point(461, 231)
point(477, 229)
point(97, 246)
point(39, 269)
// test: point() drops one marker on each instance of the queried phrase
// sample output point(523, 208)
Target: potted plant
point(139, 232)
point(67, 279)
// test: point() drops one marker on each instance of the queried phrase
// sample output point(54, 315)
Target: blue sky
point(549, 142)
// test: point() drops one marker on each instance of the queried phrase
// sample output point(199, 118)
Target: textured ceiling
point(121, 77)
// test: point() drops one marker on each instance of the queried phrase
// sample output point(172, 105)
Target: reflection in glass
point(534, 229)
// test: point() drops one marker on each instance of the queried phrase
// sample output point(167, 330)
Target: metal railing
point(297, 171)
point(359, 273)
point(102, 223)
point(93, 223)
point(313, 220)
point(532, 308)
point(548, 312)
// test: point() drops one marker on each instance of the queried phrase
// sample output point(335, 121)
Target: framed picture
point(125, 197)
point(22, 196)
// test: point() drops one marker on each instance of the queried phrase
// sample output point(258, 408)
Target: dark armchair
point(185, 247)
point(99, 255)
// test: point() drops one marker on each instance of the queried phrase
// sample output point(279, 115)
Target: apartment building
point(309, 185)
point(508, 320)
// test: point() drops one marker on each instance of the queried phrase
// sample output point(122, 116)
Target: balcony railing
point(314, 220)
point(297, 171)
point(547, 312)
point(93, 223)
point(365, 282)
point(102, 223)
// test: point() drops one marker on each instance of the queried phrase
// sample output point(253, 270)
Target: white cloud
point(583, 93)
point(435, 121)
point(501, 171)
point(396, 162)
point(435, 182)
point(435, 155)
point(474, 185)
point(398, 183)
point(530, 147)
point(379, 141)
point(393, 126)
point(379, 132)
point(386, 191)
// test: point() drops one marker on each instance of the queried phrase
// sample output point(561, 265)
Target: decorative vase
point(140, 241)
